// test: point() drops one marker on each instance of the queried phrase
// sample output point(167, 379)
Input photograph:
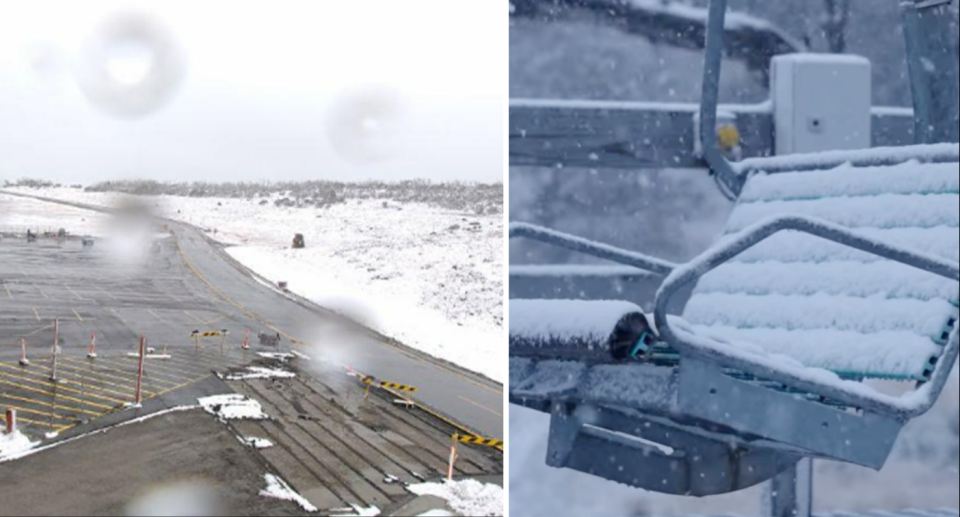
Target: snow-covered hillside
point(428, 277)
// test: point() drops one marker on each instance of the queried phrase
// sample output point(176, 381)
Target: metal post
point(790, 494)
point(728, 179)
point(932, 60)
point(56, 350)
point(92, 350)
point(453, 457)
point(23, 352)
point(139, 394)
point(11, 420)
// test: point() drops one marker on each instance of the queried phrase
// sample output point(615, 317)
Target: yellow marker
point(206, 334)
point(728, 136)
point(477, 440)
point(390, 385)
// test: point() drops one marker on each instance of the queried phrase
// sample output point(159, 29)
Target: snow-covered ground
point(430, 278)
point(467, 497)
point(14, 444)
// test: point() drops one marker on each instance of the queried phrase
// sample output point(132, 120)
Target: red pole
point(92, 350)
point(139, 395)
point(11, 420)
point(246, 340)
point(23, 352)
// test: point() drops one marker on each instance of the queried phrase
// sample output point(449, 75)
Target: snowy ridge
point(941, 241)
point(883, 211)
point(862, 157)
point(829, 306)
point(896, 354)
point(574, 270)
point(846, 180)
point(821, 311)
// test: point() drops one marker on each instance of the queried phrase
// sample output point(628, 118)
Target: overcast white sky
point(262, 80)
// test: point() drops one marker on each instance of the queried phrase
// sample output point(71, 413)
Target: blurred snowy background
point(677, 214)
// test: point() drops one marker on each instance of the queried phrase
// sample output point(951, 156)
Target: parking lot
point(53, 282)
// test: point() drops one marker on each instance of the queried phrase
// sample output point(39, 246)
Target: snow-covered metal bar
point(591, 248)
point(589, 331)
point(877, 157)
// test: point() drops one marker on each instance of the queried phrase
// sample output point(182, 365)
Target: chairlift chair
point(834, 269)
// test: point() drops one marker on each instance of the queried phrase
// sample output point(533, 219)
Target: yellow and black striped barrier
point(477, 440)
point(212, 333)
point(390, 385)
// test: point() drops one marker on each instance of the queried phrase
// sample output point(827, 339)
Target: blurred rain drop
point(191, 498)
point(365, 124)
point(131, 66)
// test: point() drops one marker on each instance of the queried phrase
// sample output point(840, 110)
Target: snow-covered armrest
point(755, 361)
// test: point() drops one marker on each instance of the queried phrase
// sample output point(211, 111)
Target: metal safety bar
point(749, 238)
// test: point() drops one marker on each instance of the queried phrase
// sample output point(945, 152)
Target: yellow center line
point(481, 406)
point(56, 396)
point(77, 314)
point(7, 289)
point(37, 314)
point(41, 291)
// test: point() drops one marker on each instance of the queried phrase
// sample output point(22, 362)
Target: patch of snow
point(467, 497)
point(149, 356)
point(827, 159)
point(233, 407)
point(436, 513)
point(849, 181)
point(257, 372)
point(390, 479)
point(276, 356)
point(279, 489)
point(256, 443)
point(357, 511)
point(300, 355)
point(15, 445)
point(577, 271)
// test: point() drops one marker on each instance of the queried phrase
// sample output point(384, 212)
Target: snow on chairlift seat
point(833, 307)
